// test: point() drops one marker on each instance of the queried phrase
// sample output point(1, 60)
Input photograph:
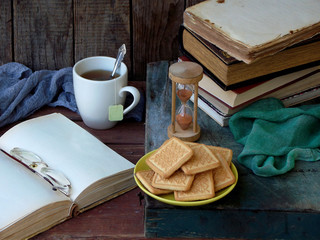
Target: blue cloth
point(138, 112)
point(22, 92)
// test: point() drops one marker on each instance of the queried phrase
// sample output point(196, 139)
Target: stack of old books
point(253, 49)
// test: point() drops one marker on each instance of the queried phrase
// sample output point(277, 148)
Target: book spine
point(265, 93)
point(221, 120)
point(191, 58)
point(213, 107)
point(251, 80)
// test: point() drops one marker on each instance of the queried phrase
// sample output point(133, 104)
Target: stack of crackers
point(192, 171)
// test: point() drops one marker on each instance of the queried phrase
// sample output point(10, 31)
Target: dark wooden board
point(57, 33)
point(119, 218)
point(155, 31)
point(285, 207)
point(5, 31)
point(101, 27)
point(43, 33)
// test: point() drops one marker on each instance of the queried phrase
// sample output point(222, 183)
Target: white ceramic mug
point(94, 97)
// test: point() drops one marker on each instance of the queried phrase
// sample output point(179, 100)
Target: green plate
point(169, 198)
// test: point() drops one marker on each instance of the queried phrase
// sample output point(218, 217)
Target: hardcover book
point(240, 96)
point(212, 111)
point(50, 170)
point(249, 30)
point(305, 89)
point(228, 72)
point(236, 97)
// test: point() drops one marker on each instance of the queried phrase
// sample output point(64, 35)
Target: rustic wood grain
point(283, 207)
point(5, 32)
point(101, 27)
point(43, 33)
point(192, 2)
point(155, 32)
point(57, 33)
point(119, 218)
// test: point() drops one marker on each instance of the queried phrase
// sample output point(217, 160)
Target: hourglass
point(185, 77)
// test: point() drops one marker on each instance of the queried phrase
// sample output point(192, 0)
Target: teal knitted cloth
point(274, 137)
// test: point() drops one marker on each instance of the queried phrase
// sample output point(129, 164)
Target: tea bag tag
point(115, 112)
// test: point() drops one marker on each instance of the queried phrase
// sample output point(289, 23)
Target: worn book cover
point(230, 73)
point(249, 30)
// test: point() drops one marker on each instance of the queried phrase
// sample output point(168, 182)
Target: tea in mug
point(99, 75)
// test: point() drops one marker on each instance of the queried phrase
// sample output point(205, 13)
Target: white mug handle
point(136, 97)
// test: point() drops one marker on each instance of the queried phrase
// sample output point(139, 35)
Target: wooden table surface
point(124, 217)
point(280, 207)
point(121, 217)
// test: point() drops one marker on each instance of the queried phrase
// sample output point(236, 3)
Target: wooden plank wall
point(54, 34)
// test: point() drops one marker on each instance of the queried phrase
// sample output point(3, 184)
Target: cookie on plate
point(202, 160)
point(169, 157)
point(202, 188)
point(145, 177)
point(177, 181)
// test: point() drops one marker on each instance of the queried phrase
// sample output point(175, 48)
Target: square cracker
point(177, 181)
point(145, 177)
point(221, 152)
point(223, 175)
point(202, 160)
point(169, 157)
point(202, 188)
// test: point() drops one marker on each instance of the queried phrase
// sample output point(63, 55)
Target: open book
point(30, 203)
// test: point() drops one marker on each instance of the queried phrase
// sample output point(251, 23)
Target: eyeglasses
point(38, 166)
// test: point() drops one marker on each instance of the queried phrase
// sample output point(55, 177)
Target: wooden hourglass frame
point(185, 73)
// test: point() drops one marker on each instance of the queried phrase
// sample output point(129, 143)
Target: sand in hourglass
point(184, 119)
point(184, 95)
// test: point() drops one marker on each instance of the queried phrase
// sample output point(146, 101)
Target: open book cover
point(252, 29)
point(29, 202)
